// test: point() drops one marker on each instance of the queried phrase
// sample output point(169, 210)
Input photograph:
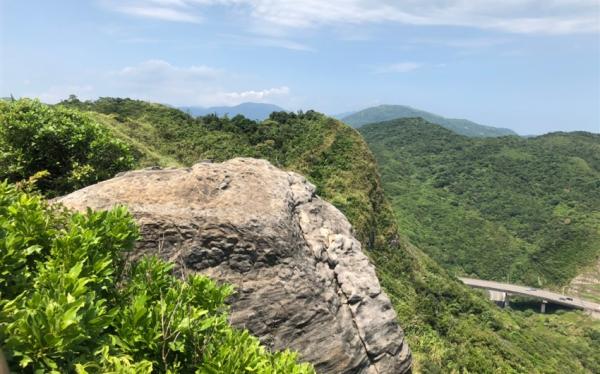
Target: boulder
point(302, 281)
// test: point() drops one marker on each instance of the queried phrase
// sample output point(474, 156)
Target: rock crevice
point(302, 281)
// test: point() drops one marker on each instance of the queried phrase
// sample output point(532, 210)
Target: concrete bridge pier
point(543, 306)
point(499, 297)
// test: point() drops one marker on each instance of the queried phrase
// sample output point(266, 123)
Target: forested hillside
point(389, 112)
point(524, 210)
point(449, 327)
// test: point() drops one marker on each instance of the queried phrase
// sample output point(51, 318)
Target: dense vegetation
point(64, 148)
point(331, 155)
point(527, 210)
point(449, 328)
point(389, 112)
point(68, 303)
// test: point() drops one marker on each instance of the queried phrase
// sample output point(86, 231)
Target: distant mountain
point(383, 113)
point(254, 111)
point(343, 114)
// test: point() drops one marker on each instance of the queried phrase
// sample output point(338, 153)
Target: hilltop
point(389, 112)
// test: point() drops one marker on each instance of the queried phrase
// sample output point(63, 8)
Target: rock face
point(301, 278)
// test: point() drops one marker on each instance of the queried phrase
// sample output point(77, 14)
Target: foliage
point(333, 156)
point(67, 145)
point(449, 328)
point(390, 112)
point(531, 205)
point(454, 330)
point(69, 304)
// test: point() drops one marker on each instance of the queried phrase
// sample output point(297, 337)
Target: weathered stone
point(301, 278)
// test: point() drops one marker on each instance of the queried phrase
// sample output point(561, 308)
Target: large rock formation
point(302, 280)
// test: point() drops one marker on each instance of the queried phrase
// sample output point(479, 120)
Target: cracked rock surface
point(302, 281)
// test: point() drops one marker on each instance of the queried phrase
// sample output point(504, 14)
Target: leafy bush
point(72, 149)
point(69, 304)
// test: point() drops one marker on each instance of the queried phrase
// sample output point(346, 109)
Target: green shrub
point(68, 145)
point(68, 303)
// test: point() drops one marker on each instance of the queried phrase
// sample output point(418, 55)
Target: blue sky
point(529, 65)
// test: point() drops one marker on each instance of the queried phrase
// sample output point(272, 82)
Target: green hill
point(389, 112)
point(525, 210)
point(449, 327)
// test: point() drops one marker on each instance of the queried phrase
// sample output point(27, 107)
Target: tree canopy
point(65, 148)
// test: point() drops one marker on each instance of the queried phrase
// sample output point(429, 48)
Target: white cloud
point(281, 43)
point(54, 94)
point(162, 13)
point(234, 98)
point(159, 70)
point(263, 41)
point(160, 81)
point(400, 67)
point(515, 16)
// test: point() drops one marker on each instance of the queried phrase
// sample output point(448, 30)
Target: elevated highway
point(544, 295)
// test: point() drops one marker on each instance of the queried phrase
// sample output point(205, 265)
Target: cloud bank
point(160, 81)
point(513, 16)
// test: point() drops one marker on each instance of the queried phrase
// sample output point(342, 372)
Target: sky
point(529, 65)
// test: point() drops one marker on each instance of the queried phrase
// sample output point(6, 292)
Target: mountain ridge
point(387, 112)
point(250, 110)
